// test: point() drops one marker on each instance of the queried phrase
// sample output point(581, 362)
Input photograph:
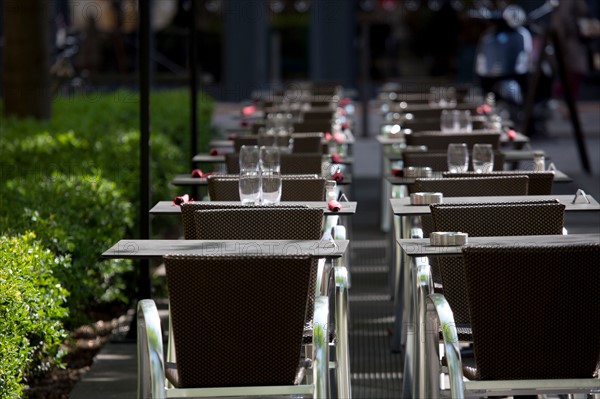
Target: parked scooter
point(505, 55)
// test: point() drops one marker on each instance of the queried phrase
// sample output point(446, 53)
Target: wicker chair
point(293, 188)
point(438, 162)
point(292, 223)
point(439, 141)
point(474, 186)
point(307, 142)
point(239, 141)
point(540, 183)
point(533, 329)
point(206, 301)
point(306, 163)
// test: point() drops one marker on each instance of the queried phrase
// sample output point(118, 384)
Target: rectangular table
point(187, 180)
point(146, 249)
point(520, 139)
point(220, 158)
point(509, 155)
point(402, 206)
point(348, 208)
point(559, 177)
point(422, 247)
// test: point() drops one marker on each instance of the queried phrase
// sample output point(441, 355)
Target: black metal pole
point(144, 288)
point(193, 57)
point(570, 100)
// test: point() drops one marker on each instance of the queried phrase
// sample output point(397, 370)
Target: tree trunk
point(26, 59)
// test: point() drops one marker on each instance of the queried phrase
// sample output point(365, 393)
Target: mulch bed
point(81, 346)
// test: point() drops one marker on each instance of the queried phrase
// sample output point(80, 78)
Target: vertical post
point(193, 60)
point(364, 76)
point(570, 100)
point(144, 289)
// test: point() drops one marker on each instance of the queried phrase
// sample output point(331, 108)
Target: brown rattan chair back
point(540, 183)
point(305, 163)
point(530, 310)
point(293, 188)
point(474, 186)
point(239, 141)
point(439, 141)
point(218, 326)
point(489, 220)
point(259, 223)
point(307, 142)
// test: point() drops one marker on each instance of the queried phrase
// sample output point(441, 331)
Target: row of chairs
point(523, 308)
point(252, 325)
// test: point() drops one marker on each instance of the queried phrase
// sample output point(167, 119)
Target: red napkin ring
point(512, 134)
point(244, 123)
point(213, 152)
point(335, 158)
point(344, 101)
point(339, 137)
point(182, 199)
point(334, 206)
point(397, 172)
point(338, 176)
point(484, 109)
point(231, 137)
point(198, 173)
point(328, 136)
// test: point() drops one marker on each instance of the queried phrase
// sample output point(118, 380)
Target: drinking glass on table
point(270, 174)
point(464, 121)
point(483, 158)
point(458, 157)
point(447, 121)
point(249, 180)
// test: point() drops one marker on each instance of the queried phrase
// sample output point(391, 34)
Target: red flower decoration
point(484, 109)
point(335, 158)
point(182, 199)
point(345, 125)
point(339, 137)
point(512, 134)
point(344, 101)
point(334, 206)
point(397, 172)
point(198, 173)
point(328, 136)
point(213, 152)
point(248, 110)
point(338, 176)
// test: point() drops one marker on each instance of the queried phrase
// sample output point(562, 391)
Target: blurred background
point(244, 45)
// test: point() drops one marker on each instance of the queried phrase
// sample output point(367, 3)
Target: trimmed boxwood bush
point(78, 216)
point(31, 309)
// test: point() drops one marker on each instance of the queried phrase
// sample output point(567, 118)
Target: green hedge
point(31, 309)
point(75, 216)
point(74, 180)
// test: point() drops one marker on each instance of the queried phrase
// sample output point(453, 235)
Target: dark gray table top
point(402, 206)
point(145, 249)
point(169, 208)
point(422, 247)
point(518, 138)
point(188, 180)
point(559, 177)
point(509, 155)
point(220, 158)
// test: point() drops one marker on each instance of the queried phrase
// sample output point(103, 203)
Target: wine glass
point(483, 158)
point(447, 121)
point(458, 157)
point(464, 121)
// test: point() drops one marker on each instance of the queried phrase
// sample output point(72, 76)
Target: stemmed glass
point(458, 157)
point(249, 181)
